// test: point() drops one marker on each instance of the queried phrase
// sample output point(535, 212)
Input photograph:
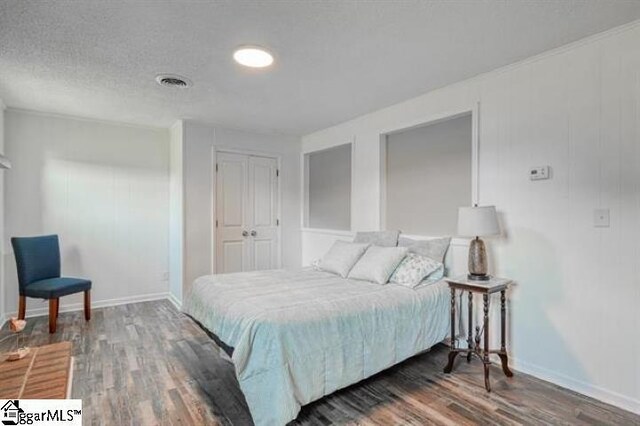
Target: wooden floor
point(146, 363)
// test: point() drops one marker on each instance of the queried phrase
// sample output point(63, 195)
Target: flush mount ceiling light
point(253, 56)
point(173, 80)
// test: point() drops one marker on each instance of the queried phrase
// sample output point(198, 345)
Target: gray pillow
point(377, 264)
point(378, 238)
point(341, 257)
point(435, 248)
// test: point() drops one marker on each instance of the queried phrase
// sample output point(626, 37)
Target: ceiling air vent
point(173, 80)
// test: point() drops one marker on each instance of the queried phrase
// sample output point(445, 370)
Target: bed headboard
point(316, 242)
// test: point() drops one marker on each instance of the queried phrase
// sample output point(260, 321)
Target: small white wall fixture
point(5, 164)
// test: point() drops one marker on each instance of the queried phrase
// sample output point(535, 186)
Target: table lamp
point(476, 222)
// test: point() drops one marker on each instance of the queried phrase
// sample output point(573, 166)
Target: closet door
point(263, 206)
point(246, 213)
point(232, 195)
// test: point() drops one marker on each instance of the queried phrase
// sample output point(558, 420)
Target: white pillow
point(378, 263)
point(341, 257)
point(415, 268)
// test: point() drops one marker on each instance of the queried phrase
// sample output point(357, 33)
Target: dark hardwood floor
point(146, 363)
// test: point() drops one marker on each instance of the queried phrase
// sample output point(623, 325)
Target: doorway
point(247, 207)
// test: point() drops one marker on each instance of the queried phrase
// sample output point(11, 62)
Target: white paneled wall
point(2, 265)
point(199, 143)
point(104, 188)
point(574, 318)
point(176, 213)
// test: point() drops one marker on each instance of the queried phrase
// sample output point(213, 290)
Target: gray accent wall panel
point(429, 177)
point(330, 188)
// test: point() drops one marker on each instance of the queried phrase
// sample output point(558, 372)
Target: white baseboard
point(177, 303)
point(584, 388)
point(94, 305)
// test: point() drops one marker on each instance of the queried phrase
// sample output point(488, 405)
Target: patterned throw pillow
point(432, 278)
point(414, 268)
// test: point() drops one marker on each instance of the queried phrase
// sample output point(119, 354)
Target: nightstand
point(486, 288)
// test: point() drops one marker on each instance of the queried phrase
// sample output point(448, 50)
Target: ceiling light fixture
point(173, 80)
point(253, 56)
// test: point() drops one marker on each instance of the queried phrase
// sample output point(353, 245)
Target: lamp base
point(477, 261)
point(474, 277)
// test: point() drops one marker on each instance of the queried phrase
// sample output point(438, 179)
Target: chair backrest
point(37, 258)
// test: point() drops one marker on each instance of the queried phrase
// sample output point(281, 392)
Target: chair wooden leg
point(87, 305)
point(53, 314)
point(22, 307)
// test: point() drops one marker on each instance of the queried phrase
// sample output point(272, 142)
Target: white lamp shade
point(478, 221)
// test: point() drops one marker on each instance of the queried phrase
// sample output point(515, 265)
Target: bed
point(298, 335)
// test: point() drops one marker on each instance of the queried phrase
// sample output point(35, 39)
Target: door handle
point(254, 233)
point(245, 234)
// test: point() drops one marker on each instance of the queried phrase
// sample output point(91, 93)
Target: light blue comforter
point(301, 334)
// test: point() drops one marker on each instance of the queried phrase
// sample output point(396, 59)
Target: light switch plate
point(601, 218)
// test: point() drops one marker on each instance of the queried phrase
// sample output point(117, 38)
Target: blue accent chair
point(38, 264)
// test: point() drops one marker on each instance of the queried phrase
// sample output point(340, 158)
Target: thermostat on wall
point(539, 173)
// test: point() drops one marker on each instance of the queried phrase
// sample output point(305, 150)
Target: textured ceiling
point(334, 59)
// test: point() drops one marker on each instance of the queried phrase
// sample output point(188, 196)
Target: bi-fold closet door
point(247, 237)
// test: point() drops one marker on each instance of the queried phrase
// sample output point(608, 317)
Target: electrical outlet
point(539, 173)
point(601, 218)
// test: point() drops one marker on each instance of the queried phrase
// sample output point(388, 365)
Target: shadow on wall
point(537, 304)
point(111, 219)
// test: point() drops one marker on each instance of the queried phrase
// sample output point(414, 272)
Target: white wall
point(176, 212)
point(573, 311)
point(428, 176)
point(104, 188)
point(3, 307)
point(199, 142)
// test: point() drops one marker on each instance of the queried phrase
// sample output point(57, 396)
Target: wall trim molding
point(175, 301)
point(579, 386)
point(594, 38)
point(337, 232)
point(82, 118)
point(72, 307)
point(478, 78)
